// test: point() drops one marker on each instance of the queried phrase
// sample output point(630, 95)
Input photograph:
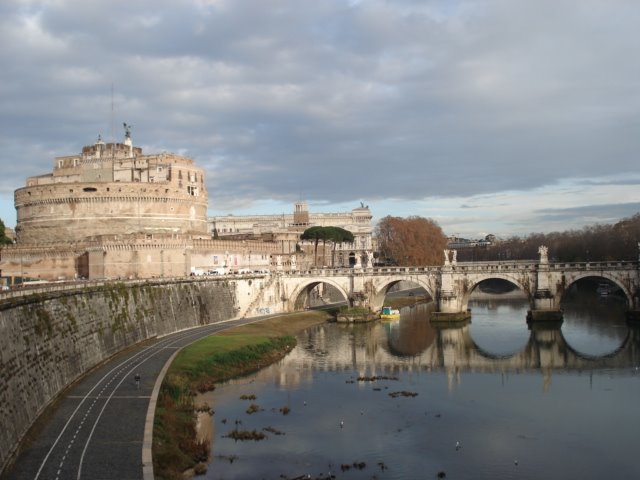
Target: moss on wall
point(49, 340)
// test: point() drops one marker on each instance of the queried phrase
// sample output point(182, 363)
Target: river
point(405, 400)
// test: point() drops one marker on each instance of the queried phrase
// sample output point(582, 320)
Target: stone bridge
point(450, 286)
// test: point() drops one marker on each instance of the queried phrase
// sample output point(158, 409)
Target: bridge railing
point(26, 289)
point(498, 266)
point(611, 265)
point(493, 266)
point(346, 271)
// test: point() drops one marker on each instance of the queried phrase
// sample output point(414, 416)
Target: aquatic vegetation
point(403, 393)
point(253, 408)
point(376, 378)
point(356, 465)
point(275, 431)
point(243, 435)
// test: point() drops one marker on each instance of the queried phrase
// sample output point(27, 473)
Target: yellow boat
point(389, 313)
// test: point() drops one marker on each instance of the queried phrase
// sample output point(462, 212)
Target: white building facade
point(287, 228)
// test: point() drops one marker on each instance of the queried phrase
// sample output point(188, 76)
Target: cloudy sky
point(489, 116)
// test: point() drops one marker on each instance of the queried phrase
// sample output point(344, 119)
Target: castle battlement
point(110, 188)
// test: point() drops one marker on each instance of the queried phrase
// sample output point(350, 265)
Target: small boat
point(389, 313)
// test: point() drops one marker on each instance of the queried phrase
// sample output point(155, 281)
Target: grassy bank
point(198, 367)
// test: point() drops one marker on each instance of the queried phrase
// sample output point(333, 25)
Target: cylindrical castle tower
point(112, 189)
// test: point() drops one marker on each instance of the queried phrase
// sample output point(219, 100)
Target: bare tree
point(410, 241)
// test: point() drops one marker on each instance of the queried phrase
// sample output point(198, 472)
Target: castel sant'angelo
point(114, 212)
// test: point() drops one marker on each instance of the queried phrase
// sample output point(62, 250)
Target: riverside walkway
point(97, 429)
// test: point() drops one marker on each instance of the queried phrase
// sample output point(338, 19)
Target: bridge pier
point(633, 317)
point(544, 304)
point(450, 309)
point(544, 319)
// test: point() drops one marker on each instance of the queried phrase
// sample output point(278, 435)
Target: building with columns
point(285, 229)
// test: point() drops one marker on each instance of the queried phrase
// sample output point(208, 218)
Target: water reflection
point(413, 342)
point(594, 324)
point(475, 384)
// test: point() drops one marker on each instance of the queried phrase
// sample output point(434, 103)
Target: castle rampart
point(112, 188)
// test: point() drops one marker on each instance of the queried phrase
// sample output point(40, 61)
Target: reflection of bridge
point(451, 285)
point(454, 350)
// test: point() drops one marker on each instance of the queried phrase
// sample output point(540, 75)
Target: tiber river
point(489, 400)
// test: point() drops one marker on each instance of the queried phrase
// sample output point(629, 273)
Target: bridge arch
point(306, 286)
point(381, 287)
point(574, 277)
point(477, 280)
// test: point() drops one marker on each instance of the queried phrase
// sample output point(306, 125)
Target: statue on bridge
point(446, 256)
point(542, 250)
point(293, 263)
point(454, 257)
point(369, 259)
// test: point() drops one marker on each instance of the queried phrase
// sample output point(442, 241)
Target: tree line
point(618, 241)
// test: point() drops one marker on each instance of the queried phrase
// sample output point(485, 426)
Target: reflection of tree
point(414, 333)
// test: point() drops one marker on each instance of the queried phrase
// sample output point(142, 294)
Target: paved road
point(97, 429)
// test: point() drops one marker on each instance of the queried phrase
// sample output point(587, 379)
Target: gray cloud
point(595, 213)
point(329, 100)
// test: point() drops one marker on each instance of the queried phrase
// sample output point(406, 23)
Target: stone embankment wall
point(48, 340)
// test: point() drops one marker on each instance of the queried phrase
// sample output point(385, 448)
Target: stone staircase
point(260, 298)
